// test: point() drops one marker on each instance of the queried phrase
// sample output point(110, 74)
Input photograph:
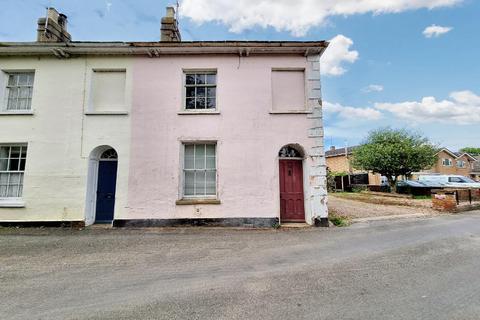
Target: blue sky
point(390, 68)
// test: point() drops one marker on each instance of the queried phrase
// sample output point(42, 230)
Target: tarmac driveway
point(425, 268)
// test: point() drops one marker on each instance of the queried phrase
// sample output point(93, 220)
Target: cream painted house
point(160, 133)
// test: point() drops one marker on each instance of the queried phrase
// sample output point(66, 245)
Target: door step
point(295, 225)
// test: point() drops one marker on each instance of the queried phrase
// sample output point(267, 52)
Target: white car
point(449, 181)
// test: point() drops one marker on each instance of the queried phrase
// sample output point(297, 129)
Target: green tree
point(471, 150)
point(393, 153)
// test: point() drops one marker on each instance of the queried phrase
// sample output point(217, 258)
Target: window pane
point(189, 183)
point(200, 78)
point(200, 103)
point(211, 103)
point(190, 103)
point(211, 78)
point(12, 191)
point(211, 163)
point(211, 183)
point(190, 79)
point(200, 183)
point(12, 80)
point(190, 92)
point(3, 164)
point(210, 150)
point(14, 178)
point(189, 150)
point(200, 156)
point(4, 178)
point(200, 92)
point(4, 152)
point(15, 152)
point(211, 92)
point(22, 164)
point(14, 164)
point(23, 79)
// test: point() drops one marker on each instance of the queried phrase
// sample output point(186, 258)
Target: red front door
point(291, 191)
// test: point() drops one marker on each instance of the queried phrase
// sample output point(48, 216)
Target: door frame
point(305, 185)
point(92, 182)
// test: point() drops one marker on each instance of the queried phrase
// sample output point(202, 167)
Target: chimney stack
point(169, 29)
point(53, 28)
point(332, 148)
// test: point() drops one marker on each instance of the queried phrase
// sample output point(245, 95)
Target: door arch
point(291, 177)
point(101, 185)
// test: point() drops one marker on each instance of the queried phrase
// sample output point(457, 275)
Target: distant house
point(456, 163)
point(340, 161)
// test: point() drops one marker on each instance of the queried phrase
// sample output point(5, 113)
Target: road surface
point(425, 268)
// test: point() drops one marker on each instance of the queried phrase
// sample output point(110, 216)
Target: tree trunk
point(392, 181)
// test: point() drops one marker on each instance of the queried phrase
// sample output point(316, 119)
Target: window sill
point(12, 203)
point(16, 113)
point(198, 112)
point(187, 202)
point(106, 113)
point(291, 112)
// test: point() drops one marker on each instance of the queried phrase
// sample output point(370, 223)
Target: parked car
point(449, 181)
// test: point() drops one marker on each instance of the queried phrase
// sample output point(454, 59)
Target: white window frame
point(461, 164)
point(183, 196)
point(15, 201)
point(4, 88)
point(450, 162)
point(184, 109)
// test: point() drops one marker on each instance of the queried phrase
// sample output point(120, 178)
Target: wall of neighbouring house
point(248, 137)
point(453, 169)
point(60, 137)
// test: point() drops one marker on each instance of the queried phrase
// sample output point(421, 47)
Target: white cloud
point(296, 17)
point(463, 107)
point(435, 31)
point(373, 88)
point(347, 112)
point(337, 53)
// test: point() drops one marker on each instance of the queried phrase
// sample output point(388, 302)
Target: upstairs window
point(447, 162)
point(12, 169)
point(200, 171)
point(200, 91)
point(19, 89)
point(460, 164)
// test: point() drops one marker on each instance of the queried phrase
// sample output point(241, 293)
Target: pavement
point(422, 268)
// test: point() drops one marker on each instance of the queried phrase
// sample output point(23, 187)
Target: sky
point(400, 63)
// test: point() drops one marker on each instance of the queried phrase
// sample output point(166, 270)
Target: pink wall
point(248, 136)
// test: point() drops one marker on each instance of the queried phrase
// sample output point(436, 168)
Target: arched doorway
point(102, 182)
point(292, 198)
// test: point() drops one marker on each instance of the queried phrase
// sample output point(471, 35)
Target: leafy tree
point(471, 150)
point(393, 153)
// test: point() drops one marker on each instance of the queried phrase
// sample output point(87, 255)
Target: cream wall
point(60, 138)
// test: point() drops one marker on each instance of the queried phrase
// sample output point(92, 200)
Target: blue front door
point(107, 181)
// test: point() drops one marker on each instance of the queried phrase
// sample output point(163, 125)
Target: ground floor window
point(12, 169)
point(199, 170)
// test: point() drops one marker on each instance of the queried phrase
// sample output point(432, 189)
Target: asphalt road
point(425, 268)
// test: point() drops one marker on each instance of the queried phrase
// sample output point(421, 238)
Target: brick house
point(454, 163)
point(160, 133)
